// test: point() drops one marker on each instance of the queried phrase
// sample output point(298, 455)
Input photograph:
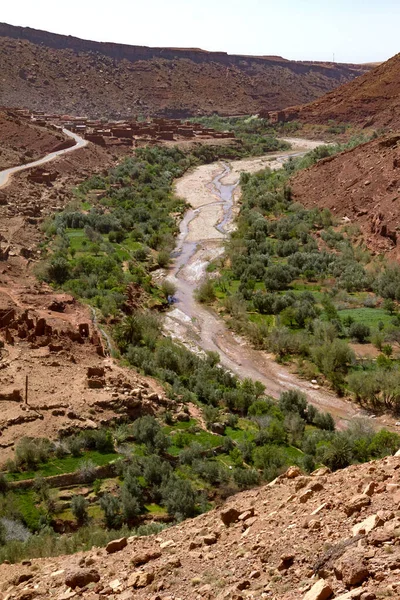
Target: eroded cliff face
point(371, 101)
point(51, 72)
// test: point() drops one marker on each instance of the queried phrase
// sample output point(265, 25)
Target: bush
point(87, 470)
point(205, 293)
point(383, 443)
point(168, 288)
point(74, 445)
point(112, 511)
point(58, 270)
point(163, 259)
point(211, 416)
point(79, 506)
point(336, 454)
point(359, 332)
point(179, 498)
point(293, 401)
point(146, 430)
point(245, 478)
point(324, 421)
point(30, 452)
point(3, 484)
point(269, 459)
point(130, 505)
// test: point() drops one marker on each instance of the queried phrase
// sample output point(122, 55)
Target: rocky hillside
point(299, 538)
point(362, 186)
point(50, 72)
point(23, 142)
point(372, 100)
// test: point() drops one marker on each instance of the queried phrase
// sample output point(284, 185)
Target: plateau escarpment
point(50, 72)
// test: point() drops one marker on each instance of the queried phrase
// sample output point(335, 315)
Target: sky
point(344, 30)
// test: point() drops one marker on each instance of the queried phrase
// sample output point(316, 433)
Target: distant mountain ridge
point(51, 72)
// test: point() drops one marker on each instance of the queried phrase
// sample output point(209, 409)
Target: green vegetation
point(256, 135)
point(278, 286)
point(304, 287)
point(179, 469)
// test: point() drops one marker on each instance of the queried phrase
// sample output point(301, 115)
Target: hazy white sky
point(352, 30)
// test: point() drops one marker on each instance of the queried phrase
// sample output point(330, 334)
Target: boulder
point(95, 372)
point(140, 579)
point(286, 562)
point(116, 545)
point(230, 515)
point(321, 590)
point(182, 416)
point(210, 539)
point(366, 526)
point(141, 558)
point(305, 496)
point(81, 577)
point(293, 472)
point(352, 568)
point(356, 504)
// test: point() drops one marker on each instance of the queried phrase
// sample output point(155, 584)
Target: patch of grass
point(155, 509)
point(367, 316)
point(59, 466)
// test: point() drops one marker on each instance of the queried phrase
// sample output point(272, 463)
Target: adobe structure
point(128, 133)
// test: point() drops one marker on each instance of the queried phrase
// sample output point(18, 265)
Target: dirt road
point(212, 191)
point(6, 175)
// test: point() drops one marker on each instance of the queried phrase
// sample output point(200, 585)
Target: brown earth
point(298, 538)
point(361, 185)
point(23, 142)
point(40, 328)
point(372, 100)
point(55, 73)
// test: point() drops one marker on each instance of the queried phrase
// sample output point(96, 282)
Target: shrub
point(245, 478)
point(360, 332)
point(29, 452)
point(188, 455)
point(179, 497)
point(130, 506)
point(383, 443)
point(308, 463)
point(270, 459)
point(146, 430)
point(3, 484)
point(87, 470)
point(211, 415)
point(324, 421)
point(232, 420)
point(58, 270)
point(205, 293)
point(79, 506)
point(293, 401)
point(112, 511)
point(336, 454)
point(74, 445)
point(168, 288)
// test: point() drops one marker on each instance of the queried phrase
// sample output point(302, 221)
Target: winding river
point(213, 192)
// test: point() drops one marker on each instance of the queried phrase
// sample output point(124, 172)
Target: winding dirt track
point(5, 176)
point(212, 191)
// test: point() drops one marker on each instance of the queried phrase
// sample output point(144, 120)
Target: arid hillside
point(362, 186)
point(23, 142)
point(50, 72)
point(320, 537)
point(372, 100)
